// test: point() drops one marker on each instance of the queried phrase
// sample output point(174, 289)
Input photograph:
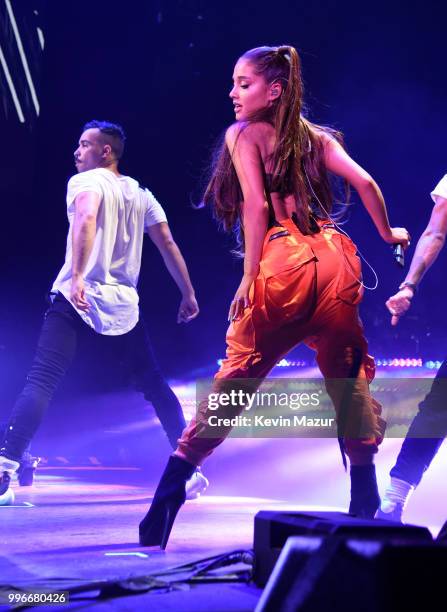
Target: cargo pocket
point(290, 281)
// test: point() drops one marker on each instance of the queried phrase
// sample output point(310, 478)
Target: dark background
point(163, 70)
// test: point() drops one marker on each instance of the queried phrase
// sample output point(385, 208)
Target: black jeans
point(426, 432)
point(55, 351)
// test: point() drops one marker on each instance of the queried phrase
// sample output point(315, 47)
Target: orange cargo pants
point(307, 290)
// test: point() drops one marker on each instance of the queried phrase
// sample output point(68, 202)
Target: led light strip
point(12, 89)
point(23, 56)
point(395, 362)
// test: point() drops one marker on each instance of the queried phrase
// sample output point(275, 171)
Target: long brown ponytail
point(297, 161)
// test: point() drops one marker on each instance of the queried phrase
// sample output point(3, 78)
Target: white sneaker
point(196, 485)
point(7, 469)
point(395, 499)
point(390, 511)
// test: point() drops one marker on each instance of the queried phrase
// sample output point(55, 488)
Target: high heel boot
point(365, 498)
point(169, 497)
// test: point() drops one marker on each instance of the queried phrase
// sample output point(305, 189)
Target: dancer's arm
point(427, 250)
point(247, 161)
point(161, 236)
point(340, 163)
point(83, 238)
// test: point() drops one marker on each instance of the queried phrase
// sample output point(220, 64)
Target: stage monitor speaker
point(337, 574)
point(272, 529)
point(442, 535)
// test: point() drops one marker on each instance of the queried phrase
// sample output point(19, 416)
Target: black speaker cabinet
point(349, 574)
point(272, 529)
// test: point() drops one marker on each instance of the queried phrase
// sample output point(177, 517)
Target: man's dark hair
point(112, 134)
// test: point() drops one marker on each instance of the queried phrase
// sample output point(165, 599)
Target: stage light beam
point(41, 38)
point(12, 89)
point(23, 57)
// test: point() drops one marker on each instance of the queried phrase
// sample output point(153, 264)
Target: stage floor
point(73, 527)
point(78, 529)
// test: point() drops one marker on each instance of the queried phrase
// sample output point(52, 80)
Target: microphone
point(398, 253)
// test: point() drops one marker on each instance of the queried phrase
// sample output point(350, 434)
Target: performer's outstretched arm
point(340, 163)
point(161, 236)
point(84, 231)
point(427, 250)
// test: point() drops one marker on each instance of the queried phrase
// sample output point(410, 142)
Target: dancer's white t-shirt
point(111, 275)
point(441, 189)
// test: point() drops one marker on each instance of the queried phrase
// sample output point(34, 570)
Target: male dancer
point(96, 289)
point(429, 427)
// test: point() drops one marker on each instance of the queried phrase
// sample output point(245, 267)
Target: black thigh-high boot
point(365, 498)
point(169, 497)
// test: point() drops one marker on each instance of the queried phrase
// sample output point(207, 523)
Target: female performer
point(302, 277)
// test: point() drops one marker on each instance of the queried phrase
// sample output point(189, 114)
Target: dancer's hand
point(77, 293)
point(241, 299)
point(188, 309)
point(399, 303)
point(398, 235)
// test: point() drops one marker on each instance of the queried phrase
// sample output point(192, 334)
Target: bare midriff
point(283, 207)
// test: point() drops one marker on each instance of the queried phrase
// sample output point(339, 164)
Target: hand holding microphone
point(400, 240)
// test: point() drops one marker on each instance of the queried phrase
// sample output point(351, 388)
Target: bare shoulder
point(324, 137)
point(254, 133)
